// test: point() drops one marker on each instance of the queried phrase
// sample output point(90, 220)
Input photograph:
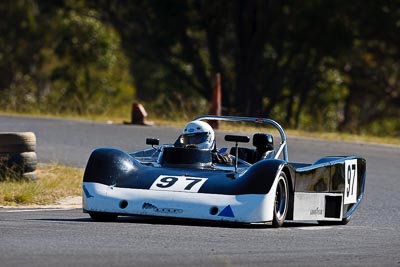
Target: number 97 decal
point(350, 188)
point(178, 183)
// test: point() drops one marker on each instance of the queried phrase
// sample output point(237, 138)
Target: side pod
point(260, 177)
point(109, 166)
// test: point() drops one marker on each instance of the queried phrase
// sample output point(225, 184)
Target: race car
point(258, 184)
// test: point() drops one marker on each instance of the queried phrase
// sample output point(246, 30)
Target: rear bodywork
point(170, 181)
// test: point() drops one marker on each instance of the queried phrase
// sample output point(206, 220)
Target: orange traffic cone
point(138, 115)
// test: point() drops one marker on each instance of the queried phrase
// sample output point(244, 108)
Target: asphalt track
point(67, 237)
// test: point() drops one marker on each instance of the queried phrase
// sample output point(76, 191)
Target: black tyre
point(14, 165)
point(103, 216)
point(25, 161)
point(281, 202)
point(17, 142)
point(29, 176)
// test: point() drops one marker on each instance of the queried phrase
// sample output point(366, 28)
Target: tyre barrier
point(18, 160)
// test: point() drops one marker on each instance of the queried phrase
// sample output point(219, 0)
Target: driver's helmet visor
point(194, 138)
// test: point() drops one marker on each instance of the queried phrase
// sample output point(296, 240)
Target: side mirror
point(237, 138)
point(152, 141)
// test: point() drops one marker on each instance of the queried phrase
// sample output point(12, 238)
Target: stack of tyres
point(18, 158)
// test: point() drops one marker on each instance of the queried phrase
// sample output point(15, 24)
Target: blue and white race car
point(191, 180)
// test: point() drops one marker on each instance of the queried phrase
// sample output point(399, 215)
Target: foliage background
point(314, 64)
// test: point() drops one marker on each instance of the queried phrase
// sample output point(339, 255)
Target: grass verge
point(53, 183)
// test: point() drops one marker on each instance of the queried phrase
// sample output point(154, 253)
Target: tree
point(59, 57)
point(313, 64)
point(372, 69)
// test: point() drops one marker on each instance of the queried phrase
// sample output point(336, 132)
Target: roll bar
point(283, 145)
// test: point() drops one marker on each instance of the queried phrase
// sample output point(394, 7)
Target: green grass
point(54, 182)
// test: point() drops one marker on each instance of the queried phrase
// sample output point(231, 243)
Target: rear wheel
point(281, 202)
point(103, 216)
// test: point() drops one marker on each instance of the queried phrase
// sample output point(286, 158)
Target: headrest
point(263, 141)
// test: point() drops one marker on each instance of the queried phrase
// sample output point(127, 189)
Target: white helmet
point(200, 134)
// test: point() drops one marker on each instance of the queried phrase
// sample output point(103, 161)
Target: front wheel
point(281, 202)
